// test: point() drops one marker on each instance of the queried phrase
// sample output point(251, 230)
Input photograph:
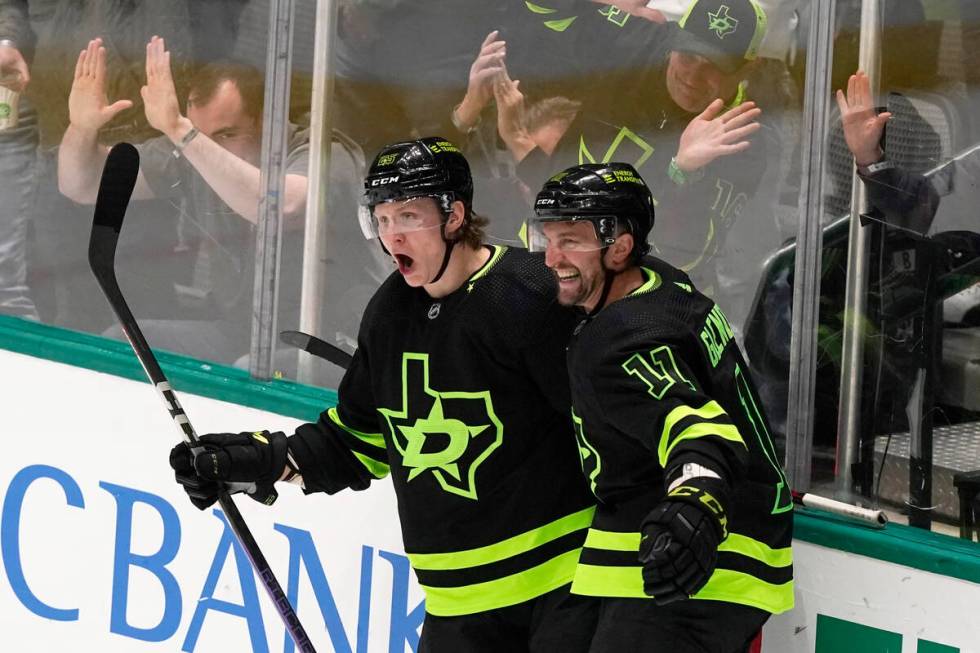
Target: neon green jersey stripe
point(378, 469)
point(374, 439)
point(710, 410)
point(509, 590)
point(735, 543)
point(498, 251)
point(505, 549)
point(612, 541)
point(752, 548)
point(599, 580)
point(698, 430)
point(724, 585)
point(738, 587)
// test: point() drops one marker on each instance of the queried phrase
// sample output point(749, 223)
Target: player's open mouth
point(404, 263)
point(568, 276)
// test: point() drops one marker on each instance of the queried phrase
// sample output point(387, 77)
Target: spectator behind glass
point(206, 164)
point(677, 110)
point(17, 145)
point(49, 34)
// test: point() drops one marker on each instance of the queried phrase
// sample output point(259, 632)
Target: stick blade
point(115, 189)
point(316, 347)
point(296, 339)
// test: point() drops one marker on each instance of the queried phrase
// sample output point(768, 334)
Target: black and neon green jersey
point(656, 378)
point(464, 401)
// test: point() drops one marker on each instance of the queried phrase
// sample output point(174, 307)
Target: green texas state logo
point(447, 434)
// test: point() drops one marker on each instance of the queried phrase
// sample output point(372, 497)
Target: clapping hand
point(88, 106)
point(487, 66)
point(159, 94)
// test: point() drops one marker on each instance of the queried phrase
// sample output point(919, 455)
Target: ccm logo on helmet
point(545, 202)
point(384, 180)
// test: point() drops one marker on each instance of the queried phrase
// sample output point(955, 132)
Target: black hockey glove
point(680, 538)
point(234, 462)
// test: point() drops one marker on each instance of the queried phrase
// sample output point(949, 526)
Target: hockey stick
point(115, 189)
point(317, 347)
point(871, 517)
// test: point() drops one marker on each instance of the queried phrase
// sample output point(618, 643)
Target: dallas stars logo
point(449, 434)
point(589, 457)
point(721, 23)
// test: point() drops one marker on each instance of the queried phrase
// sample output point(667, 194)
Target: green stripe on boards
point(933, 647)
point(186, 374)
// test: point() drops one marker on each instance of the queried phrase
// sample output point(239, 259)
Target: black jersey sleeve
point(345, 446)
point(649, 392)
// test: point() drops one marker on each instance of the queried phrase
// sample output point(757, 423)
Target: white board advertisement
point(101, 550)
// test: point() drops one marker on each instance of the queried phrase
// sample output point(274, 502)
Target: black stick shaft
point(109, 212)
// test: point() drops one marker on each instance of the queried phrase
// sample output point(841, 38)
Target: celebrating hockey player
point(692, 501)
point(458, 390)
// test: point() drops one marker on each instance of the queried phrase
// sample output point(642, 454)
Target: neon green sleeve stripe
point(374, 439)
point(710, 410)
point(505, 549)
point(724, 585)
point(509, 590)
point(612, 541)
point(377, 469)
point(757, 550)
point(735, 543)
point(699, 430)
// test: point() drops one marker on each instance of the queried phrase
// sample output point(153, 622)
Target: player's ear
point(620, 250)
point(455, 220)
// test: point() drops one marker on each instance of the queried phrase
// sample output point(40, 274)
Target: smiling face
point(693, 82)
point(410, 231)
point(574, 254)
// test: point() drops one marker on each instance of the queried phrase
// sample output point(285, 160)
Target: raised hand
point(714, 134)
point(487, 66)
point(159, 94)
point(510, 116)
point(862, 126)
point(88, 106)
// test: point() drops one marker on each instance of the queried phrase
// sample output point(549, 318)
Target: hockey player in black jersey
point(458, 390)
point(693, 503)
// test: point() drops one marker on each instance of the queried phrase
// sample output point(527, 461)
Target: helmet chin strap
point(450, 244)
point(606, 283)
point(445, 258)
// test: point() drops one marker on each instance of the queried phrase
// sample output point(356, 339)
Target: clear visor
point(401, 216)
point(569, 234)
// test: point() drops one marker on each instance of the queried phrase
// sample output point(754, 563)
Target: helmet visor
point(570, 233)
point(400, 216)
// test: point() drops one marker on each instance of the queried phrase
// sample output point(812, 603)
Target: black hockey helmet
point(612, 196)
point(426, 167)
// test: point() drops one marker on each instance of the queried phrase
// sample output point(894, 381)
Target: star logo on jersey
point(721, 23)
point(447, 435)
point(591, 463)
